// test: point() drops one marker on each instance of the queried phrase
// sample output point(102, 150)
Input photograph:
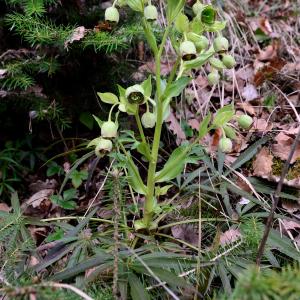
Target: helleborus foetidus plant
point(149, 101)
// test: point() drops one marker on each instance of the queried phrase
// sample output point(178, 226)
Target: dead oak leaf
point(262, 165)
point(283, 145)
point(175, 127)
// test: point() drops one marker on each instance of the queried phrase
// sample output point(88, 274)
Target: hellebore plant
point(194, 50)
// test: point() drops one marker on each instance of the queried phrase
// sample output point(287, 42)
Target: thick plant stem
point(140, 127)
point(149, 203)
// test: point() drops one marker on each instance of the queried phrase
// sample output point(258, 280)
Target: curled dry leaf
point(77, 34)
point(230, 236)
point(2, 73)
point(36, 199)
point(262, 165)
point(290, 207)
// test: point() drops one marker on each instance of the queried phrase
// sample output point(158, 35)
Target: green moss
point(277, 166)
point(293, 172)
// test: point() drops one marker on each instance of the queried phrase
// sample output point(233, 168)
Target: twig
point(275, 200)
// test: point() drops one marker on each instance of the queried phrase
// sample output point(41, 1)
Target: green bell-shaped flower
point(188, 50)
point(245, 121)
point(229, 61)
point(148, 120)
point(112, 15)
point(150, 13)
point(208, 15)
point(109, 129)
point(213, 77)
point(225, 145)
point(221, 44)
point(135, 94)
point(200, 41)
point(104, 146)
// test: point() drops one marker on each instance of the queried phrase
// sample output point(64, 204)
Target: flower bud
point(112, 15)
point(202, 43)
point(109, 129)
point(197, 7)
point(228, 61)
point(216, 63)
point(245, 121)
point(148, 120)
point(188, 50)
point(213, 77)
point(225, 145)
point(150, 13)
point(104, 146)
point(135, 94)
point(221, 44)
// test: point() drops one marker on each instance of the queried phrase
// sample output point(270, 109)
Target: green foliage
point(255, 284)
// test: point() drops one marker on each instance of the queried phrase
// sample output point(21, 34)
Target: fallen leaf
point(250, 93)
point(194, 123)
point(283, 145)
point(77, 34)
point(36, 199)
point(175, 127)
point(261, 125)
point(290, 225)
point(290, 206)
point(2, 73)
point(268, 71)
point(4, 207)
point(187, 233)
point(230, 236)
point(262, 165)
point(246, 107)
point(41, 185)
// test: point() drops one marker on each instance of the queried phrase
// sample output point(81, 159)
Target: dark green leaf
point(137, 290)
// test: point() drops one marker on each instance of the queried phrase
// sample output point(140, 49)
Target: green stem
point(149, 203)
point(140, 127)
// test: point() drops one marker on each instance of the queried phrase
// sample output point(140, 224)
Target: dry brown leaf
point(4, 207)
point(290, 225)
point(41, 185)
point(36, 199)
point(246, 107)
point(290, 207)
point(261, 125)
point(230, 236)
point(194, 123)
point(283, 146)
point(250, 93)
point(187, 233)
point(175, 127)
point(77, 34)
point(262, 165)
point(2, 73)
